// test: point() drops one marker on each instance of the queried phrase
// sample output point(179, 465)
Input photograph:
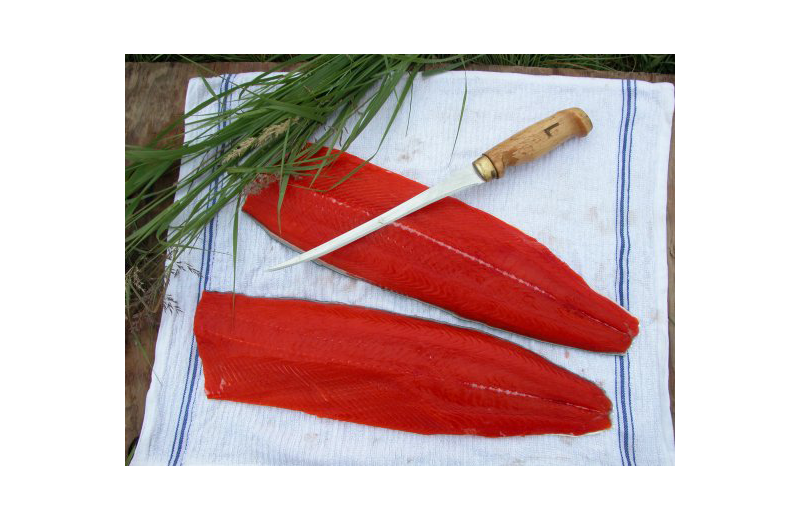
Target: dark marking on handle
point(547, 130)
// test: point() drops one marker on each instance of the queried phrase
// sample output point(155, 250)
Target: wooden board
point(155, 94)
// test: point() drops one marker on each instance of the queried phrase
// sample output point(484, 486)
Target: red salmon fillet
point(383, 369)
point(448, 254)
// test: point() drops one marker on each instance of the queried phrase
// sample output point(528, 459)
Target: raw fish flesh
point(448, 254)
point(388, 370)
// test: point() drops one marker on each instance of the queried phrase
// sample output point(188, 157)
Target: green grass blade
point(235, 244)
point(284, 179)
point(460, 116)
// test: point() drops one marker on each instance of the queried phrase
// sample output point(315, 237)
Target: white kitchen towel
point(599, 203)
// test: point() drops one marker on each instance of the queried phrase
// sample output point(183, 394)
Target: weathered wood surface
point(154, 97)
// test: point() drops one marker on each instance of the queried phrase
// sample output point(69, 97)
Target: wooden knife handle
point(532, 142)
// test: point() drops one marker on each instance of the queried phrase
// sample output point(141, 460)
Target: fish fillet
point(388, 370)
point(448, 254)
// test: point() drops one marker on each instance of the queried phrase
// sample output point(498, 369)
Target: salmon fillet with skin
point(387, 370)
point(448, 254)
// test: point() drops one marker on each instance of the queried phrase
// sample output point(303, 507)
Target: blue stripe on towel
point(627, 267)
point(182, 428)
point(189, 365)
point(623, 400)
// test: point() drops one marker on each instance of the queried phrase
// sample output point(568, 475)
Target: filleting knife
point(524, 146)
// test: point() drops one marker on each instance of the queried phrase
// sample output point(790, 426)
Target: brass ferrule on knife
point(485, 168)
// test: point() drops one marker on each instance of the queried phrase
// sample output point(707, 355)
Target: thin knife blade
point(456, 181)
